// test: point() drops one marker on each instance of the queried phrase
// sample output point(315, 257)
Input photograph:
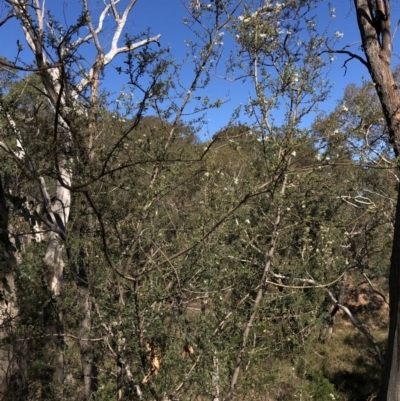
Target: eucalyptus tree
point(72, 89)
point(374, 22)
point(84, 159)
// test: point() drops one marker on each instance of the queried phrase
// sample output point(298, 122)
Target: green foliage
point(319, 387)
point(187, 264)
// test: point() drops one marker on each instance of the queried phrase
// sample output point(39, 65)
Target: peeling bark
point(374, 26)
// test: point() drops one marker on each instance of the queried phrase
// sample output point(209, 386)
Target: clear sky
point(166, 17)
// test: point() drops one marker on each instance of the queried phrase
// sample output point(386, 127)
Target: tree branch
point(344, 308)
point(348, 53)
point(7, 17)
point(360, 327)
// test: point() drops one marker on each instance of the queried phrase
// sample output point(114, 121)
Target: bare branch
point(7, 17)
point(110, 56)
point(311, 283)
point(27, 69)
point(374, 290)
point(350, 54)
point(94, 31)
point(360, 327)
point(112, 53)
point(114, 10)
point(308, 283)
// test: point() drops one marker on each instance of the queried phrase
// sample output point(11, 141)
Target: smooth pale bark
point(33, 23)
point(376, 40)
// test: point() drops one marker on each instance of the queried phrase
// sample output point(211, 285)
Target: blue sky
point(166, 18)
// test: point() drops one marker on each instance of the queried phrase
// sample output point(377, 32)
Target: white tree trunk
point(32, 16)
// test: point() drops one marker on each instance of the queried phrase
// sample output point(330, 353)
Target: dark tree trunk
point(374, 25)
point(390, 387)
point(12, 368)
